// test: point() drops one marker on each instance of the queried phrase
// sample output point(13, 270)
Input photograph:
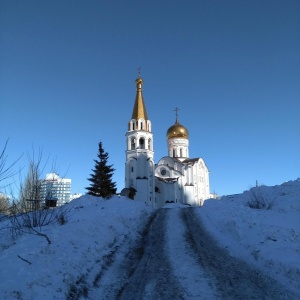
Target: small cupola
point(177, 130)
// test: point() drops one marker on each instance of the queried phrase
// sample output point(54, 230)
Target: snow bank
point(33, 269)
point(270, 239)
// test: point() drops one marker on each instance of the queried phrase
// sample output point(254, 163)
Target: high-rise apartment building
point(56, 188)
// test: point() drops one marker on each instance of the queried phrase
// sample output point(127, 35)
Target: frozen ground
point(87, 251)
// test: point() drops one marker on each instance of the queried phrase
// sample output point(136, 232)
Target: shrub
point(259, 201)
point(61, 219)
point(31, 222)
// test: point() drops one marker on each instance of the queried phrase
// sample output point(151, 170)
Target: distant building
point(56, 188)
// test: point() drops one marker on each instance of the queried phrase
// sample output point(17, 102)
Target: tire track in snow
point(152, 277)
point(195, 283)
point(144, 271)
point(233, 277)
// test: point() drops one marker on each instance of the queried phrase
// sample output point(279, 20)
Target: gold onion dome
point(177, 131)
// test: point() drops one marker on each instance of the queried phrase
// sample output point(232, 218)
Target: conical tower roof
point(139, 109)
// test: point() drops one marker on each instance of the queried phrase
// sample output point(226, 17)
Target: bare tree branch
point(25, 259)
point(6, 171)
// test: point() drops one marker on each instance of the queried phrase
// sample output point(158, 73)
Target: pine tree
point(101, 179)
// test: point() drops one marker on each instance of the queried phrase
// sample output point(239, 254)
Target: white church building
point(176, 177)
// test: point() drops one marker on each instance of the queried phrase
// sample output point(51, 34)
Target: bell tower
point(139, 167)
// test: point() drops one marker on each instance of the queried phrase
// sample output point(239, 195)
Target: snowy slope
point(78, 248)
point(98, 229)
point(269, 239)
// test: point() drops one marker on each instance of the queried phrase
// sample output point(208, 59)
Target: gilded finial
point(176, 113)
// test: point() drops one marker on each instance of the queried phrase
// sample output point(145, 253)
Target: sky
point(67, 82)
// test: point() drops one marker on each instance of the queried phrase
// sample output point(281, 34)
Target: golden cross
point(139, 71)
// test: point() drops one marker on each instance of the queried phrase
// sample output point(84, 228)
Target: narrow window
point(181, 152)
point(142, 143)
point(132, 144)
point(174, 153)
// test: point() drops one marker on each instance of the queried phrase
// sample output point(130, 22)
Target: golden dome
point(177, 131)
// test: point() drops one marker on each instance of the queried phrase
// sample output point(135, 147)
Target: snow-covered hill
point(97, 230)
point(267, 238)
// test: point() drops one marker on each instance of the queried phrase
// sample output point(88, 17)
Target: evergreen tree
point(101, 179)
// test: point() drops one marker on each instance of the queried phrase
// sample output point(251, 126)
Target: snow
point(186, 272)
point(94, 227)
point(268, 239)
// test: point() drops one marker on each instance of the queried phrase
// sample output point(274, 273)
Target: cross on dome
point(177, 130)
point(176, 113)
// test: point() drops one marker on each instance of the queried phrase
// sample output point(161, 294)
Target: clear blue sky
point(68, 70)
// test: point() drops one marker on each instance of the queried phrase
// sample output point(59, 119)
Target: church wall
point(206, 184)
point(188, 175)
point(134, 140)
point(192, 186)
point(158, 194)
point(178, 147)
point(142, 188)
point(168, 191)
point(180, 187)
point(189, 195)
point(204, 192)
point(130, 174)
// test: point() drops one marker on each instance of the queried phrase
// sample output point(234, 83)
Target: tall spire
point(139, 109)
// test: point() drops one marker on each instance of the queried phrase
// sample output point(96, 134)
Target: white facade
point(185, 182)
point(55, 188)
point(176, 178)
point(178, 147)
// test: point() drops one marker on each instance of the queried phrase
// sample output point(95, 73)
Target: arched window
point(142, 143)
point(132, 143)
point(174, 153)
point(181, 152)
point(149, 144)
